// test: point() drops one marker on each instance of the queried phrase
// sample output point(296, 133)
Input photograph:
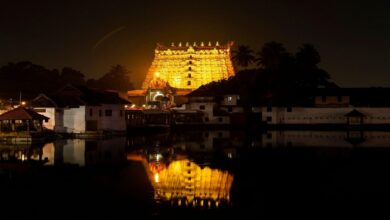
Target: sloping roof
point(68, 100)
point(183, 92)
point(136, 92)
point(354, 113)
point(22, 113)
point(43, 100)
point(78, 96)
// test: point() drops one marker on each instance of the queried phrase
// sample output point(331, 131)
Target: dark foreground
point(268, 182)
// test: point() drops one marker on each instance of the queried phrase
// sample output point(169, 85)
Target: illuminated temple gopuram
point(185, 183)
point(179, 69)
point(190, 66)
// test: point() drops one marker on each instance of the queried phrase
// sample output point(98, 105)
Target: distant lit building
point(179, 69)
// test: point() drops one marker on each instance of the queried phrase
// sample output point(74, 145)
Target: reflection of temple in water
point(176, 179)
point(184, 182)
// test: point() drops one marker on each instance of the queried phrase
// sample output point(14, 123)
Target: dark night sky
point(351, 36)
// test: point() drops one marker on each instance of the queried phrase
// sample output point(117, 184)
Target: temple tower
point(186, 66)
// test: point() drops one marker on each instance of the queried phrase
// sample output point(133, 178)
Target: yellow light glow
point(191, 66)
point(185, 180)
point(23, 103)
point(156, 177)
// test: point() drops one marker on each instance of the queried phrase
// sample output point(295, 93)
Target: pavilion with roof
point(21, 119)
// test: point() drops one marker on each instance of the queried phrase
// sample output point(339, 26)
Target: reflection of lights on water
point(230, 155)
point(156, 177)
point(23, 157)
point(185, 183)
point(158, 157)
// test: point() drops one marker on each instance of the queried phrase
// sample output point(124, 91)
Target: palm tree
point(271, 56)
point(243, 57)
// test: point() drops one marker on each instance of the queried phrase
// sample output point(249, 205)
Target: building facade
point(80, 110)
point(189, 67)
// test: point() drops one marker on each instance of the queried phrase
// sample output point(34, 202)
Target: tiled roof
point(79, 96)
point(354, 113)
point(22, 113)
point(136, 92)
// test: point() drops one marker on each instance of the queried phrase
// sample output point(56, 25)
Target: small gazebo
point(21, 119)
point(354, 117)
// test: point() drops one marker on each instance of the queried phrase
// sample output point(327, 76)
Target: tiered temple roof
point(185, 183)
point(187, 66)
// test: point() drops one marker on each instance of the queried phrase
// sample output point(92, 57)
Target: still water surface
point(200, 173)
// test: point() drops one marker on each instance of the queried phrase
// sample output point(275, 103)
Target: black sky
point(351, 36)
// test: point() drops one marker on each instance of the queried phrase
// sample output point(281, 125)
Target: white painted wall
point(95, 115)
point(74, 119)
point(115, 122)
point(51, 114)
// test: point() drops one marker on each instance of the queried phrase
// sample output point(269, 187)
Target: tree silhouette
point(117, 78)
point(72, 76)
point(282, 80)
point(243, 56)
point(309, 74)
point(271, 56)
point(27, 78)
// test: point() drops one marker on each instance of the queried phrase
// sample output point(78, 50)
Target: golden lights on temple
point(190, 66)
point(183, 182)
